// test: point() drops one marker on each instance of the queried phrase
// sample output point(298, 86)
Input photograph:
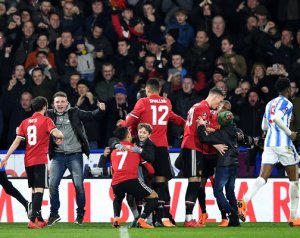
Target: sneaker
point(203, 218)
point(79, 220)
point(42, 224)
point(294, 222)
point(192, 223)
point(242, 208)
point(167, 223)
point(116, 222)
point(53, 219)
point(32, 225)
point(141, 223)
point(224, 223)
point(29, 209)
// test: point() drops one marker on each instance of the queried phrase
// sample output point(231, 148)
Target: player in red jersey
point(192, 149)
point(36, 130)
point(125, 165)
point(157, 111)
point(209, 163)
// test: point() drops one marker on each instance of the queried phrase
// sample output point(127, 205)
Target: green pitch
point(99, 230)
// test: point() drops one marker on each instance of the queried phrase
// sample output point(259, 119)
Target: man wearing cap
point(117, 109)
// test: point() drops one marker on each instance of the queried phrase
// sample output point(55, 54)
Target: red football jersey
point(124, 164)
point(36, 131)
point(190, 138)
point(156, 111)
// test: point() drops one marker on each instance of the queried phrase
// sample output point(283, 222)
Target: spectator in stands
point(43, 85)
point(201, 56)
point(186, 33)
point(172, 46)
point(124, 62)
point(182, 100)
point(152, 21)
point(103, 48)
point(217, 34)
point(249, 118)
point(234, 64)
point(19, 113)
point(71, 88)
point(169, 7)
point(117, 109)
point(54, 29)
point(98, 15)
point(24, 43)
point(41, 18)
point(105, 88)
point(64, 46)
point(88, 102)
point(18, 83)
point(238, 99)
point(85, 60)
point(71, 19)
point(42, 45)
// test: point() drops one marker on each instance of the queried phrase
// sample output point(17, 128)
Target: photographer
point(227, 163)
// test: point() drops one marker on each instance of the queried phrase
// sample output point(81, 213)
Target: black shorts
point(192, 163)
point(208, 163)
point(162, 163)
point(135, 187)
point(37, 176)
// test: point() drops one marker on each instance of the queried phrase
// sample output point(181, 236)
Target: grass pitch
point(99, 230)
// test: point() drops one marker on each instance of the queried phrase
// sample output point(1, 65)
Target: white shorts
point(286, 155)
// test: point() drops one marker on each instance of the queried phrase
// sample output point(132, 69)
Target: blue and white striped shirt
point(275, 135)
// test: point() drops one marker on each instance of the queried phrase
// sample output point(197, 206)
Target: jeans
point(225, 177)
point(74, 163)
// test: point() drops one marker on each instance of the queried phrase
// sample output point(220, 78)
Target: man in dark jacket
point(68, 155)
point(227, 163)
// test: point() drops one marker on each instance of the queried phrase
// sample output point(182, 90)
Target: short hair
point(76, 73)
point(153, 84)
point(282, 84)
point(217, 91)
point(37, 69)
point(227, 103)
point(121, 132)
point(229, 39)
point(181, 11)
point(38, 103)
point(124, 40)
point(60, 94)
point(147, 127)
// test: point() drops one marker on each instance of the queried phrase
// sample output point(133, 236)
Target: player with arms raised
point(36, 131)
point(157, 111)
point(278, 148)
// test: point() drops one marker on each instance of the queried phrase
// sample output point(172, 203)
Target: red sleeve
point(135, 114)
point(50, 125)
point(178, 120)
point(21, 131)
point(117, 25)
point(149, 168)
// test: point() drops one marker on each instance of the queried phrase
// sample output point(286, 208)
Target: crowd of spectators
point(101, 50)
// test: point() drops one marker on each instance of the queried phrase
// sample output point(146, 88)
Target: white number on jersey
point(189, 120)
point(31, 135)
point(124, 155)
point(159, 121)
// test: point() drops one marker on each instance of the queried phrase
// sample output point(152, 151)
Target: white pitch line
point(124, 232)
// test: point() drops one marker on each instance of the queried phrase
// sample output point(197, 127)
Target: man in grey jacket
point(68, 155)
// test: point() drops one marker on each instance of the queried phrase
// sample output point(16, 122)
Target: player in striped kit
point(278, 148)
